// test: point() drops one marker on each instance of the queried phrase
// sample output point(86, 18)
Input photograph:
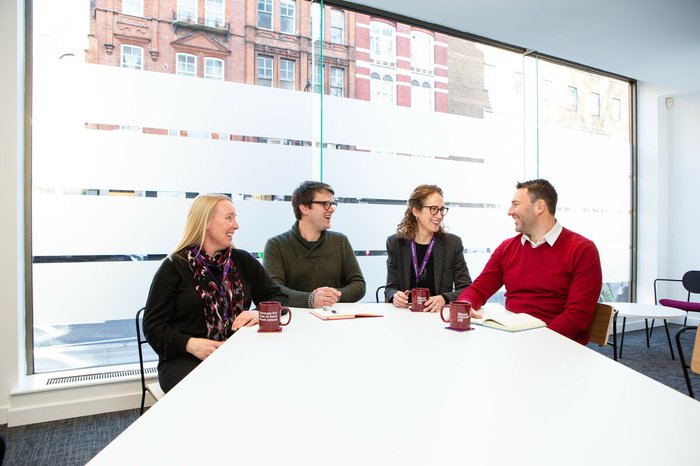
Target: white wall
point(11, 296)
point(669, 166)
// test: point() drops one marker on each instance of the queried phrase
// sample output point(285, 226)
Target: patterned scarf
point(218, 285)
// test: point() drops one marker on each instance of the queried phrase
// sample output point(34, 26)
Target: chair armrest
point(656, 299)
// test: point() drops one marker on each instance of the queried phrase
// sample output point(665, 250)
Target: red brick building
point(275, 43)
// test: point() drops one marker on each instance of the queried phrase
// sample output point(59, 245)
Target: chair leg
point(622, 339)
point(668, 335)
point(646, 329)
point(681, 356)
point(614, 345)
point(651, 331)
point(143, 400)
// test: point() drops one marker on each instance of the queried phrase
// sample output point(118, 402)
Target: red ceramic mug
point(418, 298)
point(459, 315)
point(269, 313)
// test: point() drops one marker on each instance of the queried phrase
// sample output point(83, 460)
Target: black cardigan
point(175, 312)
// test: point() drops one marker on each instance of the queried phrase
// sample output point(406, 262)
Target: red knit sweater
point(560, 284)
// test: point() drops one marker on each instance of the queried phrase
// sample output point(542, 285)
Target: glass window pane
point(287, 16)
point(186, 64)
point(213, 68)
point(215, 13)
point(187, 10)
point(132, 7)
point(265, 14)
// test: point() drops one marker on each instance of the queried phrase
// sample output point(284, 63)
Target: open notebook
point(328, 313)
point(497, 316)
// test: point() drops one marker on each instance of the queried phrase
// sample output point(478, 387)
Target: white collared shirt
point(550, 237)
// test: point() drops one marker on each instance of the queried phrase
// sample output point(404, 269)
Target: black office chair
point(152, 388)
point(376, 294)
point(2, 449)
point(694, 363)
point(691, 283)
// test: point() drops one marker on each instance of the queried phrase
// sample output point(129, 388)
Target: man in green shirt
point(315, 267)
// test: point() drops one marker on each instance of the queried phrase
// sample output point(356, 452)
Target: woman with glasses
point(423, 255)
point(202, 292)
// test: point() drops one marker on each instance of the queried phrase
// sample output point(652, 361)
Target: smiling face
point(315, 216)
point(220, 227)
point(524, 211)
point(428, 224)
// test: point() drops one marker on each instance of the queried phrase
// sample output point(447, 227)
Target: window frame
point(258, 68)
point(187, 10)
point(212, 16)
point(288, 19)
point(207, 74)
point(337, 35)
point(134, 8)
point(284, 73)
point(123, 55)
point(333, 79)
point(266, 12)
point(179, 71)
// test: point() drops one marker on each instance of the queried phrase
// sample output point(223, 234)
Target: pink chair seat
point(684, 305)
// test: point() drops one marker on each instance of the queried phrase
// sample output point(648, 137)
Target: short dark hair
point(541, 189)
point(305, 193)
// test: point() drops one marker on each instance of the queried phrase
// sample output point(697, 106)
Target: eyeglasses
point(326, 204)
point(435, 209)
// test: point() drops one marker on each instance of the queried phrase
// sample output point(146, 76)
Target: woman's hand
point(434, 304)
point(245, 319)
point(400, 299)
point(201, 348)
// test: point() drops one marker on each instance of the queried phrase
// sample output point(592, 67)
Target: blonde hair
point(409, 225)
point(198, 218)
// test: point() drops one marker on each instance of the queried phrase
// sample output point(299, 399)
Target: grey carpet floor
point(76, 441)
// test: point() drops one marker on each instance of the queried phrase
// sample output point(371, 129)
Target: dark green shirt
point(301, 266)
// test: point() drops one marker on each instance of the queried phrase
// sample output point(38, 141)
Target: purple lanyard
point(414, 258)
point(222, 288)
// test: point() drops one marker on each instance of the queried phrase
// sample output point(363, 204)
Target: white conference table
point(646, 311)
point(401, 389)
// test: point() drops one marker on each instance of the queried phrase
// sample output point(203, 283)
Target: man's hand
point(201, 348)
point(434, 304)
point(325, 296)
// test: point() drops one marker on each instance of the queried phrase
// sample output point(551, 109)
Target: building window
point(265, 14)
point(382, 42)
point(287, 74)
point(287, 15)
point(318, 77)
point(572, 100)
point(422, 96)
point(546, 90)
point(518, 84)
point(214, 68)
point(132, 7)
point(315, 21)
point(616, 109)
point(132, 57)
point(381, 89)
point(187, 10)
point(264, 70)
point(215, 13)
point(337, 26)
point(186, 64)
point(337, 81)
point(595, 104)
point(422, 51)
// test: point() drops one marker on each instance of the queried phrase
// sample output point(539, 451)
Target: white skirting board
point(53, 404)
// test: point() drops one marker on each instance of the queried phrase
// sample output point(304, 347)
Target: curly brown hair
point(409, 225)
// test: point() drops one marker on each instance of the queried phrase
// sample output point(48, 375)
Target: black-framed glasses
point(326, 204)
point(435, 209)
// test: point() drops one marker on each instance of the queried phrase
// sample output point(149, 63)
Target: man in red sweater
point(549, 272)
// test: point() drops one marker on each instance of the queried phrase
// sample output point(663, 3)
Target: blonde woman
point(202, 292)
point(421, 254)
